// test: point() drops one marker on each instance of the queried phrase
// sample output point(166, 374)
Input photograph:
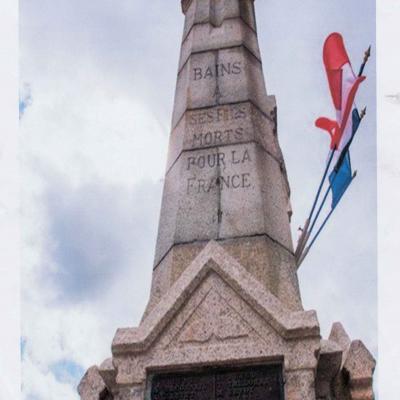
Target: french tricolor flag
point(343, 84)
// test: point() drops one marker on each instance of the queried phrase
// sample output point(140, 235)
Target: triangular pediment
point(208, 299)
point(214, 320)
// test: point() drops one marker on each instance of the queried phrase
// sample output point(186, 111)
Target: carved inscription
point(184, 387)
point(250, 383)
point(204, 125)
point(221, 160)
point(217, 70)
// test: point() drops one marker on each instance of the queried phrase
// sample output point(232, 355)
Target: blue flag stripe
point(341, 176)
point(340, 180)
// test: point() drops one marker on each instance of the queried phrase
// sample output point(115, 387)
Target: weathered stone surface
point(172, 192)
point(360, 366)
point(359, 361)
point(216, 312)
point(92, 386)
point(226, 178)
point(225, 125)
point(224, 192)
point(231, 33)
point(185, 5)
point(107, 372)
point(259, 255)
point(218, 77)
point(288, 323)
point(354, 378)
point(329, 363)
point(340, 336)
point(135, 392)
point(272, 267)
point(204, 11)
point(300, 385)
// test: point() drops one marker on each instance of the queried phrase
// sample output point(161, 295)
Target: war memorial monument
point(225, 318)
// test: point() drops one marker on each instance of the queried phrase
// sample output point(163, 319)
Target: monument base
point(220, 334)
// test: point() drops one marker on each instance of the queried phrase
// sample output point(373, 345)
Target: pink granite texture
point(218, 314)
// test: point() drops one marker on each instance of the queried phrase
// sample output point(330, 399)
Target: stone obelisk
point(225, 318)
point(225, 178)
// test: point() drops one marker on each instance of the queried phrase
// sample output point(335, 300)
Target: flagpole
point(306, 231)
point(321, 206)
point(302, 254)
point(302, 242)
point(367, 54)
point(306, 251)
point(346, 148)
point(322, 182)
point(344, 151)
point(304, 236)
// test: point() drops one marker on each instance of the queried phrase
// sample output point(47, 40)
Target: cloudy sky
point(97, 81)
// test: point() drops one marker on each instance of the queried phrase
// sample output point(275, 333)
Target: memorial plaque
point(183, 387)
point(250, 383)
point(262, 383)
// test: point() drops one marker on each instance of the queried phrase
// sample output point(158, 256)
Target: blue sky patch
point(67, 371)
point(25, 99)
point(23, 341)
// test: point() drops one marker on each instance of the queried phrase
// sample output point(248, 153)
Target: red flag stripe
point(335, 56)
point(330, 126)
point(343, 85)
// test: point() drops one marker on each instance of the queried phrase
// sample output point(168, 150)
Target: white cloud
point(93, 155)
point(41, 384)
point(86, 129)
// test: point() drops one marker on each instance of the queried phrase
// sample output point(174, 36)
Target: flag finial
point(367, 54)
point(363, 112)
